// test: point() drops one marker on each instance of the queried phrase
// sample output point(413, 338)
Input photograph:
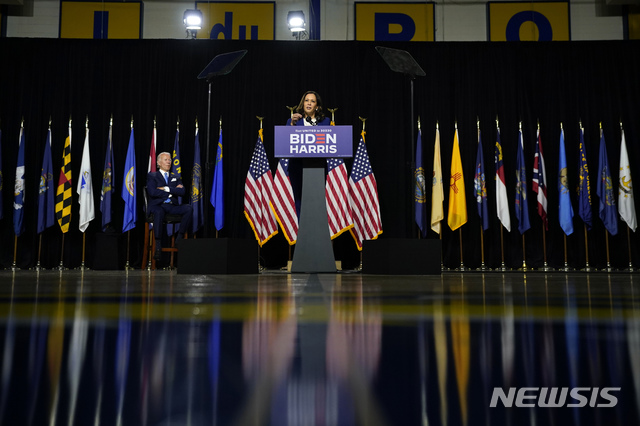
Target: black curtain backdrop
point(547, 83)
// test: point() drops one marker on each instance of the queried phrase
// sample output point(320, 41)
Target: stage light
point(295, 19)
point(192, 19)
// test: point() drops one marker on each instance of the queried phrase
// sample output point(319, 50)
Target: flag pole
point(483, 267)
point(606, 238)
point(630, 269)
point(461, 261)
point(524, 257)
point(545, 266)
point(61, 265)
point(502, 266)
point(587, 268)
point(260, 268)
point(127, 265)
point(566, 265)
point(15, 253)
point(38, 267)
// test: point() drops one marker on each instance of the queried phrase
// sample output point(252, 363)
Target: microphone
point(308, 119)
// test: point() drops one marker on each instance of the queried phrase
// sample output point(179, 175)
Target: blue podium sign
point(313, 141)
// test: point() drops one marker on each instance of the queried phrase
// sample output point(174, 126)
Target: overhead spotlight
point(192, 19)
point(295, 19)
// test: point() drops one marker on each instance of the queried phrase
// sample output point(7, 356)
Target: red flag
point(539, 183)
point(363, 197)
point(337, 197)
point(258, 188)
point(152, 152)
point(284, 203)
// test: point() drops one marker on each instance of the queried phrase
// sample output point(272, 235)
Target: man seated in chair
point(163, 190)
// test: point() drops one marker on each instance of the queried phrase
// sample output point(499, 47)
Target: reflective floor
point(157, 348)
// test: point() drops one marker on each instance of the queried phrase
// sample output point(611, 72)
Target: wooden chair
point(148, 262)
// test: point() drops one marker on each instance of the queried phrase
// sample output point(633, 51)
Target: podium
point(313, 145)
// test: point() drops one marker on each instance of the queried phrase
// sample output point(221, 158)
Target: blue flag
point(46, 214)
point(565, 210)
point(107, 185)
point(420, 191)
point(607, 208)
point(18, 201)
point(217, 193)
point(480, 186)
point(196, 187)
point(584, 189)
point(1, 196)
point(129, 187)
point(522, 206)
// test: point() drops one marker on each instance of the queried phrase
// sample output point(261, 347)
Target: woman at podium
point(309, 112)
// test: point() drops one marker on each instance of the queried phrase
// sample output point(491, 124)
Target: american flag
point(363, 197)
point(257, 194)
point(337, 197)
point(284, 203)
point(539, 184)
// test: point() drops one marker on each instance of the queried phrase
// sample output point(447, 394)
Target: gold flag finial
point(22, 123)
point(437, 125)
point(580, 122)
point(497, 122)
point(291, 109)
point(363, 120)
point(196, 122)
point(332, 111)
point(419, 129)
point(49, 122)
point(601, 125)
point(69, 121)
point(538, 124)
point(478, 122)
point(520, 125)
point(86, 122)
point(561, 126)
point(178, 123)
point(621, 124)
point(131, 121)
point(111, 121)
point(260, 118)
point(154, 121)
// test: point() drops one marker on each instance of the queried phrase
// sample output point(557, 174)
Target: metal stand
point(587, 268)
point(221, 65)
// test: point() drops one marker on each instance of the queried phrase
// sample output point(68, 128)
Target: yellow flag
point(457, 202)
point(437, 193)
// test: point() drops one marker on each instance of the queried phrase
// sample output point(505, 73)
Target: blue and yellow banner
point(394, 21)
point(100, 20)
point(237, 20)
point(530, 21)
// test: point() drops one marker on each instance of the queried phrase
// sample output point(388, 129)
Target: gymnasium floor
point(161, 348)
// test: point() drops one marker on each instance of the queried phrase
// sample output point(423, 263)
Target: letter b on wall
point(394, 21)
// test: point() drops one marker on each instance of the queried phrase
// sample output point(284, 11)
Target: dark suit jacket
point(158, 196)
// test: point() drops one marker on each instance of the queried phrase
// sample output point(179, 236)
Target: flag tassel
point(629, 250)
point(61, 265)
point(587, 268)
point(483, 267)
point(461, 260)
point(15, 253)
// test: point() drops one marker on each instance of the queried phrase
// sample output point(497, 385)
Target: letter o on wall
point(545, 32)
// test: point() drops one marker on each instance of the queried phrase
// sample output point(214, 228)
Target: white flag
point(626, 207)
point(85, 189)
